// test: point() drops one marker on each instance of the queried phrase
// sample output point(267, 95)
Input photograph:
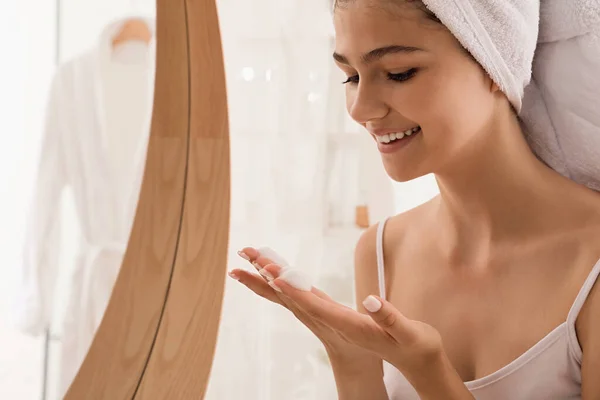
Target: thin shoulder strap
point(380, 263)
point(576, 308)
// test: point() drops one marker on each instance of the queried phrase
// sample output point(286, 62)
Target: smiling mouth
point(393, 137)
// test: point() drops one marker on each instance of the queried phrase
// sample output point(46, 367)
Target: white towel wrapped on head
point(567, 19)
point(545, 57)
point(500, 34)
point(564, 130)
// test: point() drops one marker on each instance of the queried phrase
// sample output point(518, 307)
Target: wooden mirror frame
point(158, 335)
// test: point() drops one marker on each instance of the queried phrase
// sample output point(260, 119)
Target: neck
point(499, 193)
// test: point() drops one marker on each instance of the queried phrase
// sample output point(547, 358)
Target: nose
point(365, 104)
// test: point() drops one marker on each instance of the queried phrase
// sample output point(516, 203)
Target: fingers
point(259, 262)
point(402, 329)
point(251, 255)
point(272, 255)
point(274, 271)
point(257, 284)
point(271, 266)
point(314, 305)
point(263, 260)
point(353, 326)
point(262, 257)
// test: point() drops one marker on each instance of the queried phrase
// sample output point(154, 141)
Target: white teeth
point(395, 136)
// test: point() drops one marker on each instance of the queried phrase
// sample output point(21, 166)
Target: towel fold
point(545, 57)
point(500, 34)
point(567, 19)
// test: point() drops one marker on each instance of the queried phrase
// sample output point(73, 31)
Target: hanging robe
point(94, 144)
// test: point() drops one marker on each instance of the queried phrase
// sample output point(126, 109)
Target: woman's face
point(433, 85)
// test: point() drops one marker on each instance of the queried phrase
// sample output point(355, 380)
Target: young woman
point(487, 290)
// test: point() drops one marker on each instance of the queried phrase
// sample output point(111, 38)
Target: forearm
point(359, 381)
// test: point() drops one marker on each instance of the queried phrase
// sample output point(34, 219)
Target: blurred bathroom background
point(76, 85)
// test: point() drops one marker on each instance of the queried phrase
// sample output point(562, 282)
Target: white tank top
point(551, 369)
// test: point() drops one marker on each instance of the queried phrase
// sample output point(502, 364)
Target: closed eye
point(400, 77)
point(351, 79)
point(404, 76)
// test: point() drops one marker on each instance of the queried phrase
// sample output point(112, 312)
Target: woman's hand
point(263, 285)
point(413, 347)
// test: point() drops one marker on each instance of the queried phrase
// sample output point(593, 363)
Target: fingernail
point(266, 274)
point(243, 255)
point(296, 279)
point(257, 266)
point(274, 286)
point(273, 256)
point(234, 276)
point(372, 304)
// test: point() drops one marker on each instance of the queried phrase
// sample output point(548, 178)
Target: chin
point(400, 174)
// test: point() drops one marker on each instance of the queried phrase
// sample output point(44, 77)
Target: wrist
point(358, 377)
point(440, 380)
point(351, 363)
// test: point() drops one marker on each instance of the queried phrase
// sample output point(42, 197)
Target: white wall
point(27, 43)
point(410, 194)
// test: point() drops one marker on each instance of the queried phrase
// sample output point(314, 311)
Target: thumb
point(390, 319)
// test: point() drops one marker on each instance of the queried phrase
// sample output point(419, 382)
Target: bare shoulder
point(588, 332)
point(588, 322)
point(590, 317)
point(365, 254)
point(365, 266)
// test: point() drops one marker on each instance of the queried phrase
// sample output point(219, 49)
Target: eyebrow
point(378, 53)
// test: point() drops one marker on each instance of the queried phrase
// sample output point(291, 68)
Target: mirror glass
point(80, 90)
point(306, 181)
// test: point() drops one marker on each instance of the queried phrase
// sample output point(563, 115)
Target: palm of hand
point(405, 343)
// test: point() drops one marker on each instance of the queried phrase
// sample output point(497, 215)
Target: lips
point(391, 137)
point(387, 145)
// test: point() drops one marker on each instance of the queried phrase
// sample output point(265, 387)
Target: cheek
point(450, 107)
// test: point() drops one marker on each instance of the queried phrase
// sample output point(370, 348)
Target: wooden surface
point(158, 334)
point(180, 364)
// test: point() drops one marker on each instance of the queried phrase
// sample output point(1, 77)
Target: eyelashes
point(401, 77)
point(404, 76)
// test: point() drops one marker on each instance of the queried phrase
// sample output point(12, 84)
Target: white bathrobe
point(94, 144)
